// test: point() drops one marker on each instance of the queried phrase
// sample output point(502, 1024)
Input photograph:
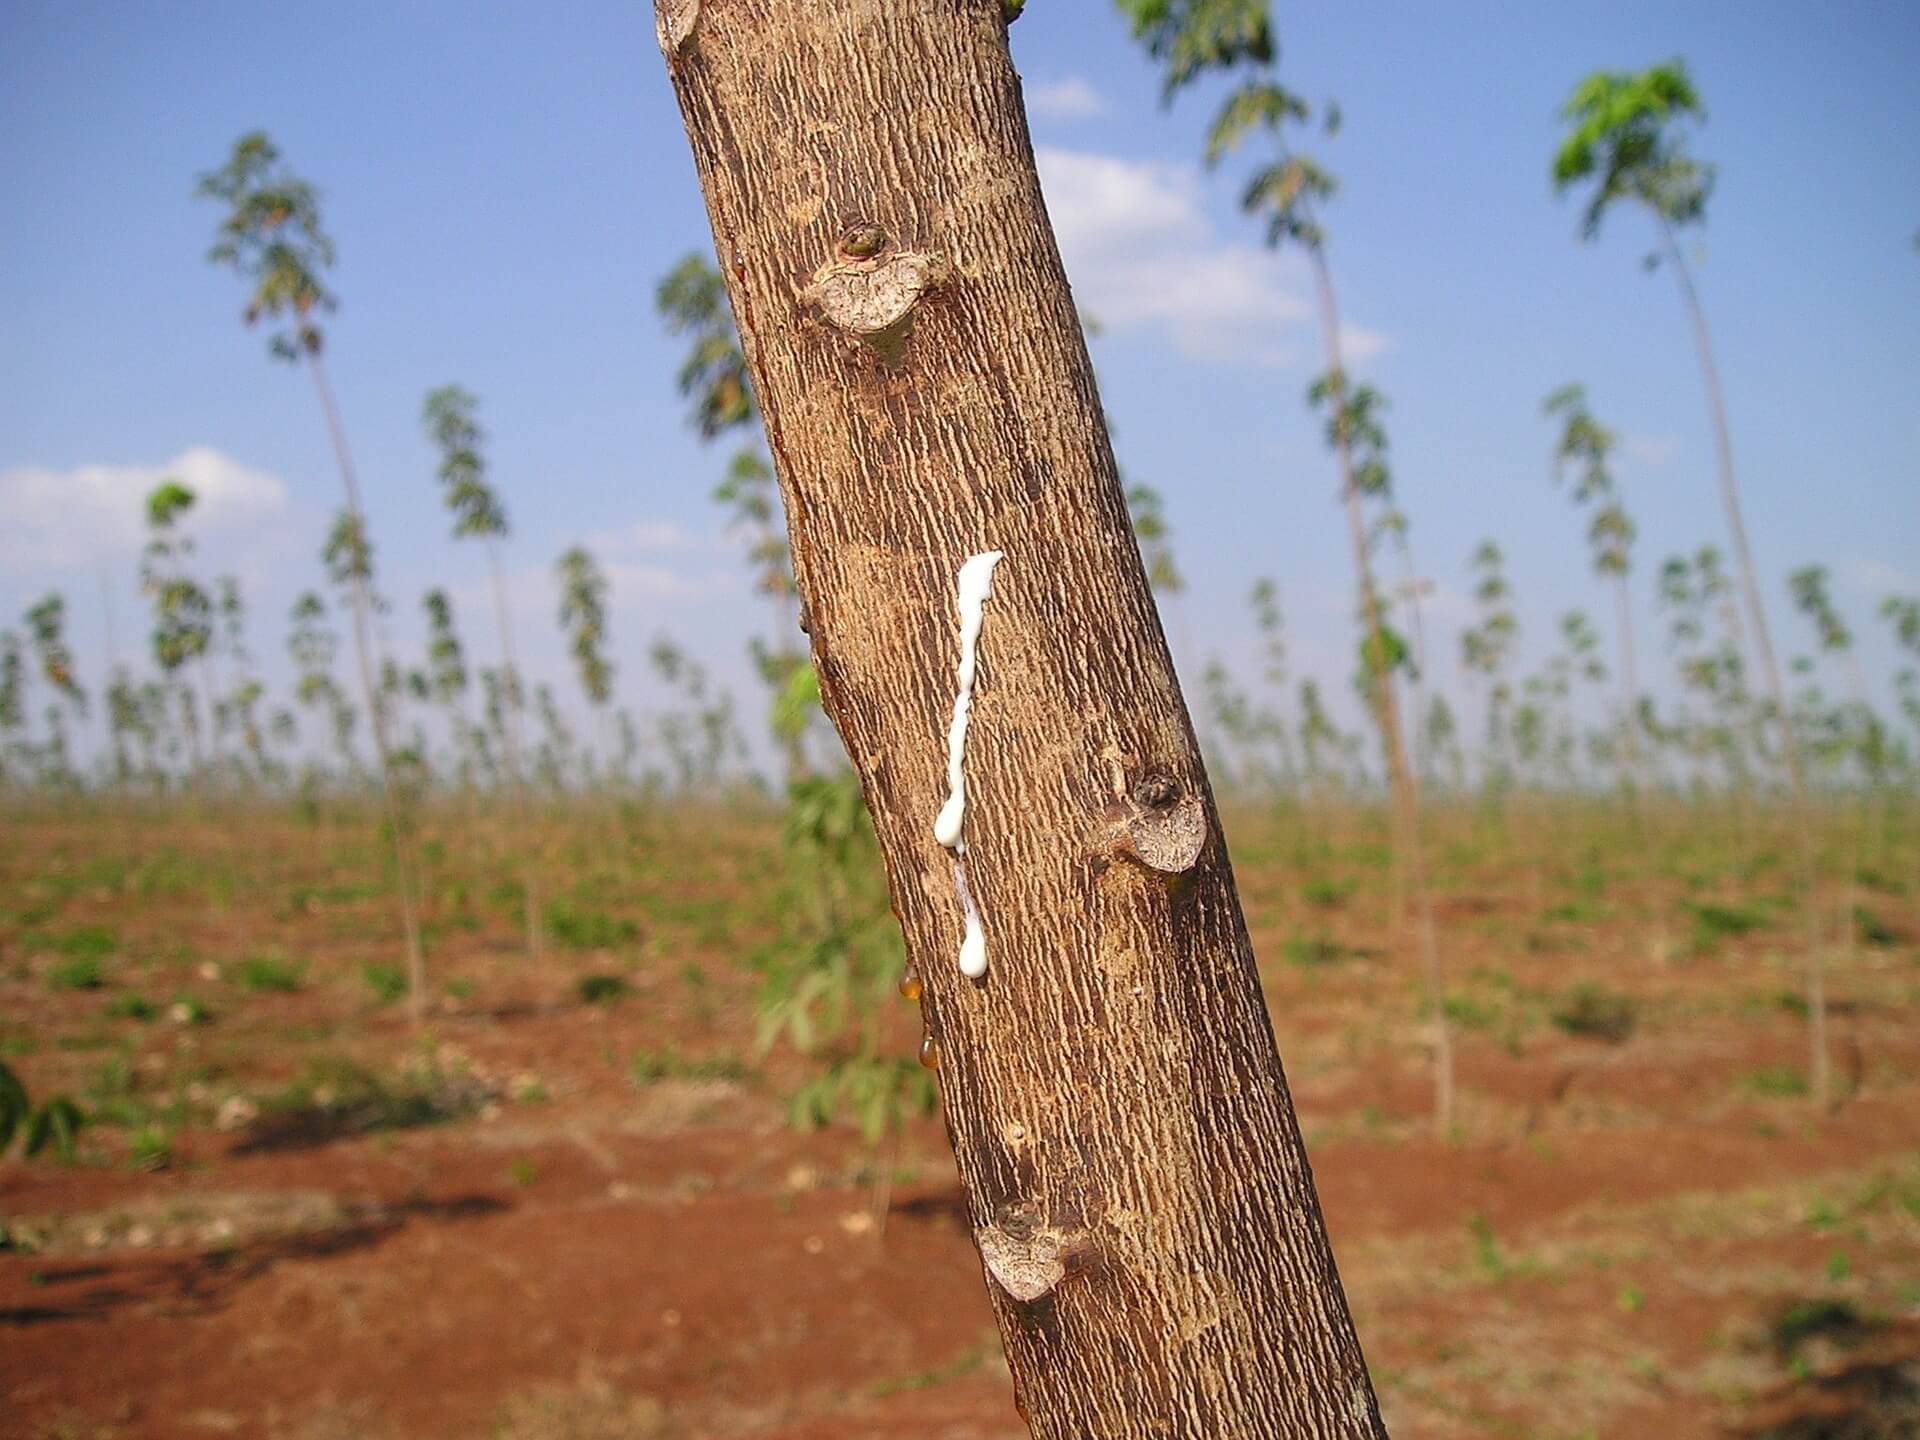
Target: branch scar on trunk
point(673, 22)
point(1026, 1256)
point(1157, 825)
point(973, 585)
point(871, 287)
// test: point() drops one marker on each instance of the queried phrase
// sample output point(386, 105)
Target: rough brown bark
point(1134, 1174)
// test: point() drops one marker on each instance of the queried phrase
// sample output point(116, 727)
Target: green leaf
point(57, 1123)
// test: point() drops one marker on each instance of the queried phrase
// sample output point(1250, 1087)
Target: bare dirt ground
point(540, 1215)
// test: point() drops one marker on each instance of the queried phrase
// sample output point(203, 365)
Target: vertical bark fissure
point(1114, 1094)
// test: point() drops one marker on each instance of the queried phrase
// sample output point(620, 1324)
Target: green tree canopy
point(272, 238)
point(1626, 133)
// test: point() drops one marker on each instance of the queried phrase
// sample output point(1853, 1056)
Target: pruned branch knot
point(673, 22)
point(1159, 825)
point(870, 287)
point(1027, 1257)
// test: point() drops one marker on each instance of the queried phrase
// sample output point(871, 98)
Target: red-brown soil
point(1614, 1244)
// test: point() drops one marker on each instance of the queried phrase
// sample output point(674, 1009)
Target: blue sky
point(506, 184)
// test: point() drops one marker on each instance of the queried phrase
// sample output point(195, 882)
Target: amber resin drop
point(909, 985)
point(929, 1051)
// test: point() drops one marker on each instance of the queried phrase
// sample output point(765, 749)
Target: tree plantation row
point(199, 720)
point(971, 780)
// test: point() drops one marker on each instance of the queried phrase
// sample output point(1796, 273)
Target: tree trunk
point(362, 605)
point(516, 762)
point(1630, 692)
point(1134, 1175)
point(1409, 856)
point(1820, 1080)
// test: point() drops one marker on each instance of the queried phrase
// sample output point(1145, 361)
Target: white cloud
point(645, 536)
point(1142, 253)
point(632, 581)
point(1359, 345)
point(1651, 450)
point(1069, 99)
point(54, 520)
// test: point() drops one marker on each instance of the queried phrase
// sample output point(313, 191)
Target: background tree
point(1627, 139)
point(692, 302)
point(1080, 720)
point(272, 238)
point(1285, 193)
point(478, 514)
point(836, 962)
point(182, 609)
point(16, 760)
point(1148, 513)
point(46, 625)
point(1848, 733)
point(239, 706)
point(444, 678)
point(1582, 454)
point(1486, 647)
point(583, 618)
point(1147, 510)
point(311, 645)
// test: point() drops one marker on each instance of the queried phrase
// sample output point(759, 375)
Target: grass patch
point(965, 1363)
point(132, 1007)
point(82, 972)
point(1838, 1322)
point(1870, 929)
point(387, 982)
point(1576, 912)
point(1313, 952)
point(271, 974)
point(1546, 942)
point(334, 1099)
point(1470, 1013)
point(150, 1149)
point(89, 942)
point(1486, 1250)
point(579, 927)
point(649, 1067)
point(1713, 923)
point(600, 989)
point(1776, 1082)
point(1326, 894)
point(1596, 1013)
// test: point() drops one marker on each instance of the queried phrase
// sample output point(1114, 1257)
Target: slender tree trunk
point(376, 707)
point(1639, 791)
point(1819, 1072)
point(1411, 582)
point(114, 737)
point(1862, 823)
point(208, 691)
point(516, 762)
point(1630, 693)
point(1134, 1174)
point(1407, 848)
